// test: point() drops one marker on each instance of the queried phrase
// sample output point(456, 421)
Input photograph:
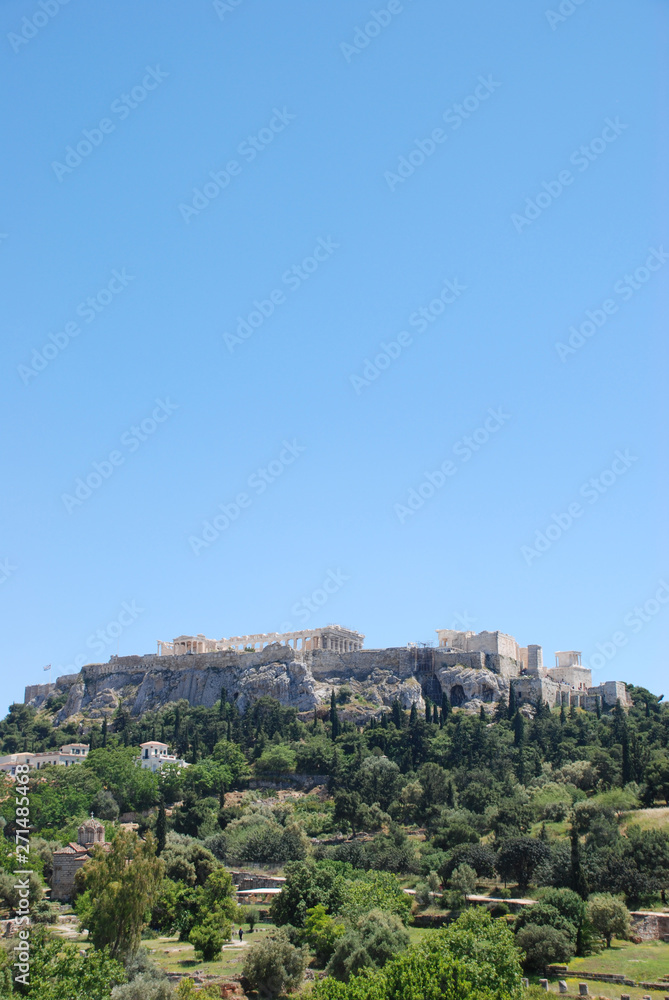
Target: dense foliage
point(539, 802)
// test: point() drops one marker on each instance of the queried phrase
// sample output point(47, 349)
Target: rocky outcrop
point(373, 679)
point(472, 688)
point(144, 683)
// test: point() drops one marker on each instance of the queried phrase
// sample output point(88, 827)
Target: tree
point(322, 932)
point(276, 759)
point(308, 883)
point(543, 944)
point(657, 777)
point(518, 859)
point(609, 916)
point(105, 806)
point(542, 914)
point(478, 856)
point(347, 809)
point(228, 753)
point(59, 972)
point(334, 717)
point(274, 965)
point(578, 881)
point(487, 951)
point(463, 881)
point(161, 828)
point(119, 888)
point(377, 890)
point(118, 769)
point(376, 938)
point(207, 937)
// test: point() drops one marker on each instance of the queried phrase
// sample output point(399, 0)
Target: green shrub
point(377, 937)
point(274, 965)
point(207, 937)
point(542, 945)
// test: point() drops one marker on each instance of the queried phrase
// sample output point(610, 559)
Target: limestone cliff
point(303, 680)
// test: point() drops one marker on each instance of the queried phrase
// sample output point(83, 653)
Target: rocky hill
point(375, 678)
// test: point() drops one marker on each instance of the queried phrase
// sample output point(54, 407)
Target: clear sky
point(319, 256)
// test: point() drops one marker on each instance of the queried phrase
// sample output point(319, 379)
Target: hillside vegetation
point(566, 806)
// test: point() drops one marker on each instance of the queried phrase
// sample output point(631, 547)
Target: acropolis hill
point(302, 668)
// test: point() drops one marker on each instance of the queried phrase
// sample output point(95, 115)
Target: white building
point(70, 753)
point(155, 754)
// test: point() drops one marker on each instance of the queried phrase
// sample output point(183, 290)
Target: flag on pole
point(48, 667)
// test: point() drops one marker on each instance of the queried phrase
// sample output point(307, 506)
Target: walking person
point(241, 934)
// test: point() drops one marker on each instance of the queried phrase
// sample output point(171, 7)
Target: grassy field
point(646, 962)
point(609, 991)
point(647, 819)
point(173, 955)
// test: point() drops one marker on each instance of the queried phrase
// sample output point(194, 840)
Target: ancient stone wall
point(65, 867)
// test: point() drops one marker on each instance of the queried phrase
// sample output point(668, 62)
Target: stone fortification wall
point(39, 693)
point(576, 676)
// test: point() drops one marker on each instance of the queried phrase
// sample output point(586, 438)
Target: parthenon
point(334, 637)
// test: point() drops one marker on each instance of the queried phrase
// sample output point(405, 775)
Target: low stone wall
point(251, 880)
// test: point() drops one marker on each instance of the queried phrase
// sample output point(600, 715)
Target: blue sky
point(499, 168)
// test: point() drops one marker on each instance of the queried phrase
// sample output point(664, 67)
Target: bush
point(144, 987)
point(274, 965)
point(207, 937)
point(376, 938)
point(543, 945)
point(542, 914)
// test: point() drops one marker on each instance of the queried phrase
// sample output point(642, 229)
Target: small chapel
point(68, 860)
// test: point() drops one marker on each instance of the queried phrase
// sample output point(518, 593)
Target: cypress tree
point(482, 714)
point(384, 720)
point(161, 827)
point(445, 705)
point(513, 707)
point(501, 709)
point(563, 714)
point(396, 714)
point(104, 732)
point(428, 710)
point(578, 879)
point(413, 714)
point(628, 774)
point(334, 716)
point(435, 715)
point(577, 876)
point(223, 703)
point(598, 707)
